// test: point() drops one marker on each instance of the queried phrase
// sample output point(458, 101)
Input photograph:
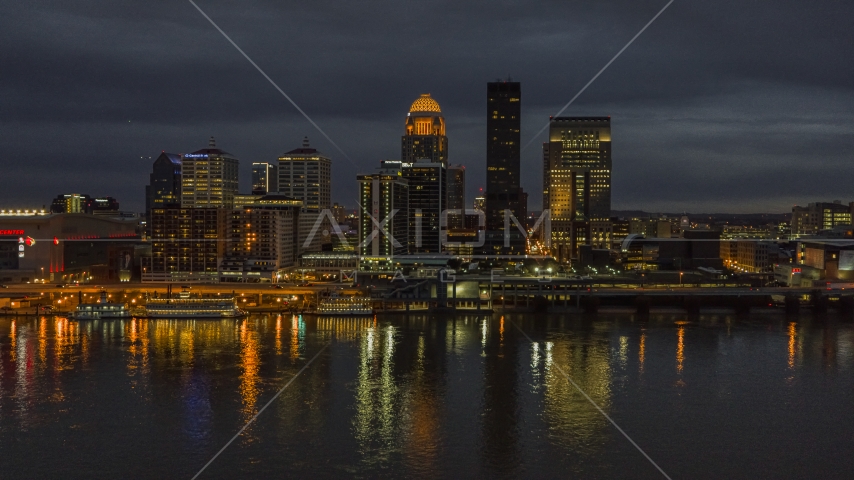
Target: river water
point(715, 396)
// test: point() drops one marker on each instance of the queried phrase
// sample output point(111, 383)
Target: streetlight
point(680, 279)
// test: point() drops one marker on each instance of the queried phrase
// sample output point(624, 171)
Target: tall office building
point(262, 238)
point(456, 195)
point(427, 199)
point(265, 178)
point(164, 185)
point(208, 178)
point(306, 174)
point(503, 126)
point(185, 244)
point(577, 183)
point(382, 195)
point(425, 132)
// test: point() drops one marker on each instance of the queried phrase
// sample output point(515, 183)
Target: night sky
point(723, 106)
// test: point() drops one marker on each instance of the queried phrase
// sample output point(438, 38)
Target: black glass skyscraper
point(164, 188)
point(503, 125)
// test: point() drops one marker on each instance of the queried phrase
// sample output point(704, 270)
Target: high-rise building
point(503, 193)
point(427, 199)
point(456, 194)
point(383, 220)
point(577, 183)
point(208, 178)
point(425, 132)
point(265, 178)
point(185, 244)
point(164, 185)
point(306, 174)
point(261, 239)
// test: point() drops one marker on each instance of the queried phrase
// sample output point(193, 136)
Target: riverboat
point(186, 306)
point(102, 310)
point(338, 305)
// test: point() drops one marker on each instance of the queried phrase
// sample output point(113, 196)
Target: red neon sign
point(796, 270)
point(11, 232)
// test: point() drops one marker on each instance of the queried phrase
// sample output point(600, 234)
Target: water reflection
point(642, 350)
point(409, 395)
point(680, 349)
point(792, 339)
point(250, 364)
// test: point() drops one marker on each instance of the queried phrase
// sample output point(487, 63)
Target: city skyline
point(736, 133)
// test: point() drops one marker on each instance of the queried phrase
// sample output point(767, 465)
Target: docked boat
point(102, 310)
point(186, 306)
point(339, 305)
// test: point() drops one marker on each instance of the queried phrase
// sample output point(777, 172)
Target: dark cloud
point(728, 105)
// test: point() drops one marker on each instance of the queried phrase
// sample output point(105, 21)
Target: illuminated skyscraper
point(577, 183)
point(208, 178)
point(306, 174)
point(427, 199)
point(425, 132)
point(503, 126)
point(185, 244)
point(265, 178)
point(385, 197)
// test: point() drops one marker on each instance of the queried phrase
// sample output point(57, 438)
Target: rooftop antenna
point(212, 142)
point(305, 142)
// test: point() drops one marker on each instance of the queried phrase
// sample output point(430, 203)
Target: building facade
point(383, 219)
point(424, 136)
point(819, 216)
point(209, 178)
point(503, 193)
point(427, 200)
point(306, 174)
point(456, 196)
point(265, 178)
point(262, 239)
point(66, 247)
point(82, 203)
point(164, 182)
point(187, 244)
point(577, 182)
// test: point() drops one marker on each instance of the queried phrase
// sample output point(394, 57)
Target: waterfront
point(713, 396)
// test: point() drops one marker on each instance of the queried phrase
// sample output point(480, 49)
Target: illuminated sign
point(796, 270)
point(21, 248)
point(55, 241)
point(30, 241)
point(11, 232)
point(20, 254)
point(195, 155)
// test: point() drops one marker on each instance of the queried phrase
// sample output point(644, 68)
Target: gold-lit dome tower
point(425, 103)
point(425, 132)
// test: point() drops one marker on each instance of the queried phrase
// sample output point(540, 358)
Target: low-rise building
point(66, 247)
